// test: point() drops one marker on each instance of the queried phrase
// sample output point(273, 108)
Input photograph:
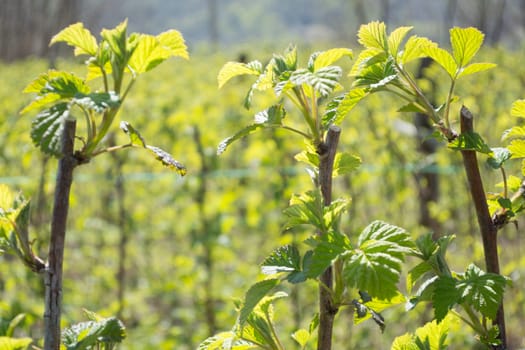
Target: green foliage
point(60, 95)
point(432, 336)
point(7, 343)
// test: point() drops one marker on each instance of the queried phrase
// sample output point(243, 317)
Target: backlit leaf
point(116, 39)
point(475, 68)
point(234, 69)
point(253, 296)
point(414, 48)
point(404, 342)
point(173, 42)
point(446, 295)
point(328, 57)
point(373, 35)
point(345, 163)
point(79, 37)
point(465, 44)
point(443, 58)
point(327, 248)
point(301, 336)
point(470, 141)
point(517, 148)
point(240, 134)
point(8, 343)
point(153, 50)
point(283, 259)
point(47, 127)
point(134, 136)
point(499, 156)
point(395, 38)
point(167, 160)
point(324, 80)
point(339, 107)
point(518, 109)
point(272, 116)
point(306, 209)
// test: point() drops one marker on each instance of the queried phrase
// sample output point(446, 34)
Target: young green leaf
point(234, 69)
point(396, 38)
point(518, 109)
point(373, 35)
point(414, 49)
point(238, 135)
point(116, 39)
point(134, 136)
point(8, 343)
point(218, 341)
point(446, 295)
point(301, 336)
point(46, 129)
point(475, 68)
point(375, 266)
point(443, 58)
point(470, 141)
point(499, 156)
point(466, 42)
point(323, 80)
point(329, 57)
point(404, 342)
point(345, 163)
point(306, 209)
point(284, 259)
point(327, 248)
point(339, 107)
point(253, 296)
point(173, 42)
point(79, 37)
point(517, 148)
point(86, 335)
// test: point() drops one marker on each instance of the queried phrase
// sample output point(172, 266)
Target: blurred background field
point(169, 254)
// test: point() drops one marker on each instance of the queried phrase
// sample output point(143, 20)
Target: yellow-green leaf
point(301, 337)
point(79, 37)
point(414, 48)
point(518, 109)
point(373, 35)
point(395, 38)
point(475, 68)
point(404, 342)
point(7, 343)
point(443, 58)
point(147, 54)
point(516, 132)
point(328, 57)
point(517, 148)
point(465, 44)
point(233, 69)
point(173, 41)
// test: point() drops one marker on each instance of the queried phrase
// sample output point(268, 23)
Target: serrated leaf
point(173, 42)
point(434, 334)
point(40, 102)
point(116, 39)
point(375, 265)
point(79, 37)
point(443, 58)
point(395, 38)
point(97, 101)
point(328, 247)
point(367, 58)
point(475, 68)
point(517, 148)
point(8, 343)
point(376, 305)
point(373, 35)
point(216, 342)
point(64, 84)
point(404, 342)
point(306, 209)
point(271, 116)
point(309, 157)
point(465, 44)
point(338, 108)
point(412, 107)
point(345, 163)
point(499, 156)
point(328, 57)
point(324, 80)
point(414, 49)
point(415, 273)
point(518, 109)
point(167, 160)
point(470, 141)
point(47, 127)
point(234, 69)
point(134, 136)
point(484, 291)
point(240, 134)
point(445, 296)
point(282, 259)
point(85, 335)
point(301, 336)
point(253, 296)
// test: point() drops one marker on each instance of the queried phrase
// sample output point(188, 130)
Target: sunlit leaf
point(79, 37)
point(306, 209)
point(116, 39)
point(414, 48)
point(234, 69)
point(327, 248)
point(339, 107)
point(134, 136)
point(217, 341)
point(284, 259)
point(253, 296)
point(395, 38)
point(404, 342)
point(328, 57)
point(412, 107)
point(499, 156)
point(443, 58)
point(301, 336)
point(324, 80)
point(47, 128)
point(173, 42)
point(517, 148)
point(240, 134)
point(271, 116)
point(86, 335)
point(97, 101)
point(345, 163)
point(518, 109)
point(446, 295)
point(475, 68)
point(465, 44)
point(8, 343)
point(373, 35)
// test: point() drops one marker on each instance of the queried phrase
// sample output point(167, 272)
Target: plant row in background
point(236, 200)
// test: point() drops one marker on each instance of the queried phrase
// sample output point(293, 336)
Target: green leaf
point(328, 57)
point(134, 136)
point(173, 42)
point(446, 295)
point(79, 37)
point(328, 247)
point(470, 141)
point(234, 69)
point(167, 160)
point(272, 116)
point(323, 80)
point(85, 335)
point(443, 58)
point(404, 342)
point(7, 343)
point(415, 273)
point(217, 341)
point(116, 39)
point(499, 156)
point(412, 107)
point(475, 68)
point(415, 48)
point(240, 134)
point(518, 109)
point(306, 209)
point(345, 163)
point(484, 291)
point(284, 259)
point(338, 108)
point(516, 132)
point(465, 44)
point(395, 38)
point(517, 148)
point(253, 296)
point(367, 305)
point(47, 128)
point(301, 336)
point(98, 102)
point(434, 334)
point(375, 266)
point(373, 35)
